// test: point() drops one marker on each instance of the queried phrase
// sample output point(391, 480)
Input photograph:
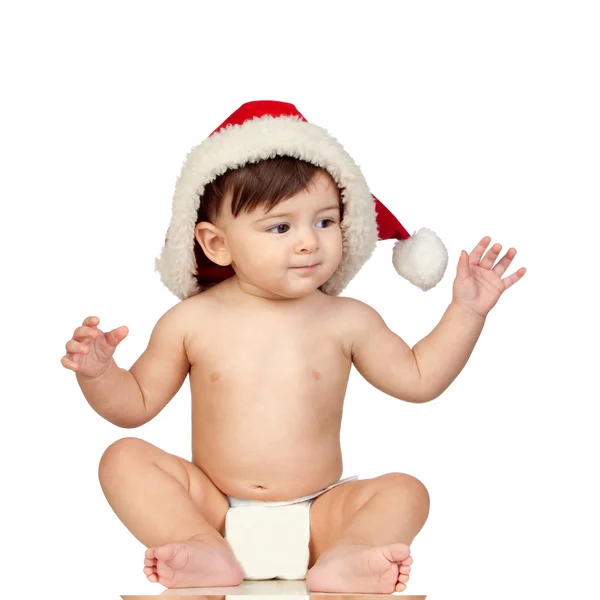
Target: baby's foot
point(361, 569)
point(193, 564)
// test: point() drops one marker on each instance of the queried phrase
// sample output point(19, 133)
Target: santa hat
point(264, 129)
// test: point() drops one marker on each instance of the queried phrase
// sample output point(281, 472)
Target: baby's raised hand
point(479, 284)
point(89, 350)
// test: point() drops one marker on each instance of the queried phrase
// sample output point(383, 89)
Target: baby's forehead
point(302, 202)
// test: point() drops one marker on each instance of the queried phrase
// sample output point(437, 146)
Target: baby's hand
point(89, 350)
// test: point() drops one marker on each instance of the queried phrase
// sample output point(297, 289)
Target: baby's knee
point(120, 456)
point(403, 485)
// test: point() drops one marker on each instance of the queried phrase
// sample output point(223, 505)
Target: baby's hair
point(261, 184)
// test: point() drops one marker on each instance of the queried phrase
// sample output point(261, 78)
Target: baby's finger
point(76, 358)
point(504, 262)
point(91, 321)
point(113, 339)
point(76, 347)
point(478, 251)
point(85, 333)
point(490, 256)
point(68, 363)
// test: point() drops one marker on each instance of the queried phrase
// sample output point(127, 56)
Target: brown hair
point(261, 184)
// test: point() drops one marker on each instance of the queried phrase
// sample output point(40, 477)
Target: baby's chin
point(292, 285)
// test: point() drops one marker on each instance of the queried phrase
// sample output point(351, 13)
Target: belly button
point(259, 487)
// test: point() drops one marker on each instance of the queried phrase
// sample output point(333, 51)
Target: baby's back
point(268, 382)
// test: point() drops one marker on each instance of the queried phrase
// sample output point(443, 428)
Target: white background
point(471, 118)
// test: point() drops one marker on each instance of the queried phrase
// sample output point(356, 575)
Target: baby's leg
point(158, 496)
point(174, 509)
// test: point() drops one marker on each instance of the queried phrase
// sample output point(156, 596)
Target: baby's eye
point(277, 227)
point(330, 220)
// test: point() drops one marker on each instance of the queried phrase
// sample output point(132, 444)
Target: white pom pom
point(421, 259)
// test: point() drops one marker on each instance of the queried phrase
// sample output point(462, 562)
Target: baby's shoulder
point(197, 318)
point(188, 313)
point(350, 308)
point(195, 306)
point(351, 316)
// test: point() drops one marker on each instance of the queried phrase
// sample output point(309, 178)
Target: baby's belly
point(264, 464)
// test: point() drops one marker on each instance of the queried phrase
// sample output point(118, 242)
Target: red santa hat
point(263, 129)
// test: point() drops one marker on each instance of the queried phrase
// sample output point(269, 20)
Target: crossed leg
point(177, 512)
point(361, 533)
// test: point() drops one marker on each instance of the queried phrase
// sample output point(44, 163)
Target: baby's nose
point(307, 241)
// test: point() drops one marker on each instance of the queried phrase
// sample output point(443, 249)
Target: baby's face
point(267, 248)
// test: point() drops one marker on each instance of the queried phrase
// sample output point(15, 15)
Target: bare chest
point(299, 355)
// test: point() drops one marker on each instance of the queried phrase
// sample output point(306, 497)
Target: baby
point(268, 227)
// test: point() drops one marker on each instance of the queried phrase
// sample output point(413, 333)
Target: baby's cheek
point(267, 262)
point(338, 250)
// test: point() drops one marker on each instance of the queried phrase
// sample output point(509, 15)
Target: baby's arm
point(162, 368)
point(416, 375)
point(380, 356)
point(130, 398)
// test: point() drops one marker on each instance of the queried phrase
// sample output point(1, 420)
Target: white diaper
point(270, 539)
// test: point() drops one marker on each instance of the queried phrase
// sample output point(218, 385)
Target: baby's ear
point(212, 242)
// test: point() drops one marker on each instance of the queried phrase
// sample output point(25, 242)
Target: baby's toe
point(150, 553)
point(166, 552)
point(150, 562)
point(404, 569)
point(400, 587)
point(403, 578)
